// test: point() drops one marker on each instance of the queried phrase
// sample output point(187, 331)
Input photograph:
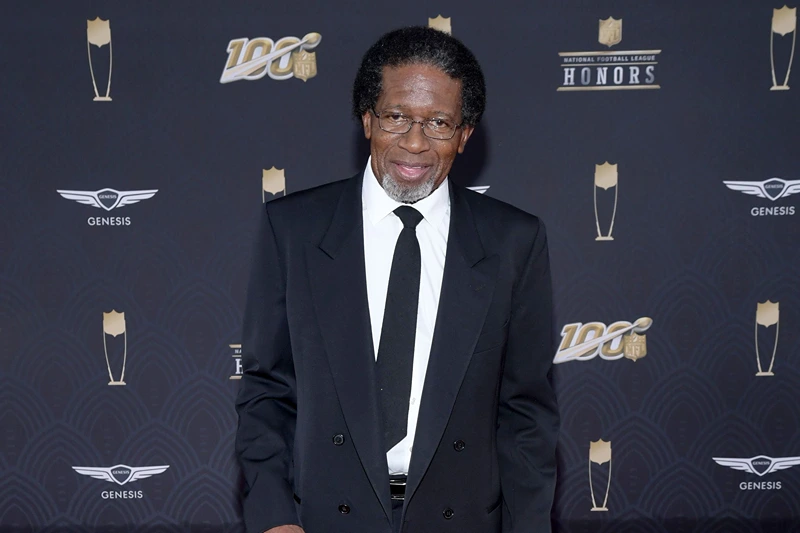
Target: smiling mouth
point(410, 170)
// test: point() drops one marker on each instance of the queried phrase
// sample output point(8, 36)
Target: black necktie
point(396, 350)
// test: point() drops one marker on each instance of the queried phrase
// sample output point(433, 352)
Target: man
point(397, 338)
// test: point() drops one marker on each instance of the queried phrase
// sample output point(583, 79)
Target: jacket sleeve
point(528, 419)
point(267, 400)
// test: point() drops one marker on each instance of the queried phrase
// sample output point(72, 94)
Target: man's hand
point(285, 529)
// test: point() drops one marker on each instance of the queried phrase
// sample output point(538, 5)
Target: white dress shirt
point(381, 230)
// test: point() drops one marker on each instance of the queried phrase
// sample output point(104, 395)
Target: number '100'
point(577, 333)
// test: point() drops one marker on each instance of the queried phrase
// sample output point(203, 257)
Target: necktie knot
point(409, 216)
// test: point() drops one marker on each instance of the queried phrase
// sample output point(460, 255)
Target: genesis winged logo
point(760, 465)
point(107, 199)
point(121, 474)
point(772, 189)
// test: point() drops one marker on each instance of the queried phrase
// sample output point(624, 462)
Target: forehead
point(419, 87)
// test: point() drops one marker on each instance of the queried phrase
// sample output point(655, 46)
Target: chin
point(405, 192)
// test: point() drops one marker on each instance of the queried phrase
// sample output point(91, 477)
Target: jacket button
point(459, 445)
point(448, 513)
point(338, 440)
point(344, 509)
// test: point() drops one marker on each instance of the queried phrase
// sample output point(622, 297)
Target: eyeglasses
point(438, 128)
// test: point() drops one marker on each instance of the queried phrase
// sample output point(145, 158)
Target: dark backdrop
point(687, 251)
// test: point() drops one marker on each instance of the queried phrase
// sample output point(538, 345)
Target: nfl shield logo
point(610, 32)
point(98, 32)
point(634, 346)
point(305, 64)
point(440, 23)
point(113, 323)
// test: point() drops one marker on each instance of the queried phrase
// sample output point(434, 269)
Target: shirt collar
point(377, 204)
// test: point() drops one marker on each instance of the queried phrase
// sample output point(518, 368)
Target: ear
point(466, 132)
point(366, 121)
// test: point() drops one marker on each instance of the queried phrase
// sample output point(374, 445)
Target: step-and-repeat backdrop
point(658, 141)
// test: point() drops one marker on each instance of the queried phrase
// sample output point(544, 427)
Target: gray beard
point(405, 194)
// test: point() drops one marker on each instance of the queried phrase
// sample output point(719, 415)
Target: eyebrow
point(403, 108)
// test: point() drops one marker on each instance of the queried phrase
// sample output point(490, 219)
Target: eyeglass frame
point(421, 123)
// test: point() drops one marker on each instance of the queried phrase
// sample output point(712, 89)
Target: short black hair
point(421, 45)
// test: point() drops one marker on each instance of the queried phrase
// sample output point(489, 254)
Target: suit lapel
point(467, 287)
point(338, 279)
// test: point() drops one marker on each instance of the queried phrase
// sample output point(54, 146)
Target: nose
point(414, 140)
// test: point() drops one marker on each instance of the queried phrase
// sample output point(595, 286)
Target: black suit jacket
point(309, 440)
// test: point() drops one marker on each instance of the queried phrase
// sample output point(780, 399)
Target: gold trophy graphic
point(273, 181)
point(767, 314)
point(114, 325)
point(440, 23)
point(98, 33)
point(605, 177)
point(600, 453)
point(784, 20)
